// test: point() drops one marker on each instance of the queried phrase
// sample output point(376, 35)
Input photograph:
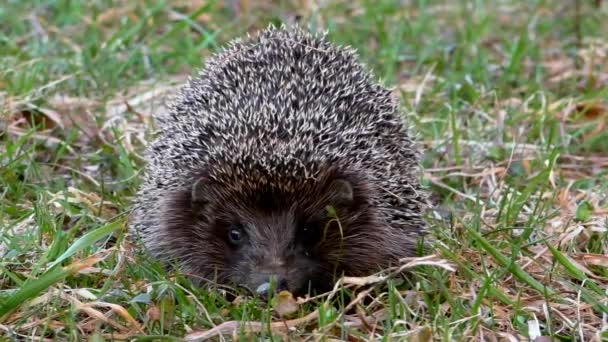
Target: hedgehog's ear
point(198, 193)
point(341, 192)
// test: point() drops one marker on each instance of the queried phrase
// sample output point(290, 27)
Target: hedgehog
point(281, 166)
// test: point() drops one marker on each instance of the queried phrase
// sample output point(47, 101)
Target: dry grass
point(509, 98)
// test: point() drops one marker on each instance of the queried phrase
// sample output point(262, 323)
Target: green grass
point(509, 99)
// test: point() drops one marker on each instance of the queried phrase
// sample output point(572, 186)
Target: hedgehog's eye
point(308, 234)
point(305, 231)
point(235, 234)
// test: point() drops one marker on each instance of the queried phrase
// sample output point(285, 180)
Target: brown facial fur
point(292, 238)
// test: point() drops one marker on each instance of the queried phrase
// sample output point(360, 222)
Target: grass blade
point(32, 288)
point(87, 240)
point(504, 261)
point(574, 272)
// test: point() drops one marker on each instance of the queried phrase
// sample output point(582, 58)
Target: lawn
point(509, 100)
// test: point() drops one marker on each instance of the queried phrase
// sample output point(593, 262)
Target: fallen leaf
point(153, 314)
point(146, 101)
point(591, 111)
point(122, 312)
point(424, 334)
point(250, 327)
point(238, 300)
point(77, 112)
point(113, 14)
point(285, 304)
point(594, 259)
point(39, 116)
point(93, 202)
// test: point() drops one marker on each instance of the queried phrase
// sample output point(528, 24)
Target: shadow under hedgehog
point(281, 160)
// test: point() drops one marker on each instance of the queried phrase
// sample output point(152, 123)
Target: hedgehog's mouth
point(273, 285)
point(270, 288)
point(264, 284)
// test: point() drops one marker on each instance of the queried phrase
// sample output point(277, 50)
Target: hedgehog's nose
point(274, 283)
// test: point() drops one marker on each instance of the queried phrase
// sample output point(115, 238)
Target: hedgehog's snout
point(271, 283)
point(270, 276)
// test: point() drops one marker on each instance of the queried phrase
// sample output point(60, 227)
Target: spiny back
point(287, 99)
